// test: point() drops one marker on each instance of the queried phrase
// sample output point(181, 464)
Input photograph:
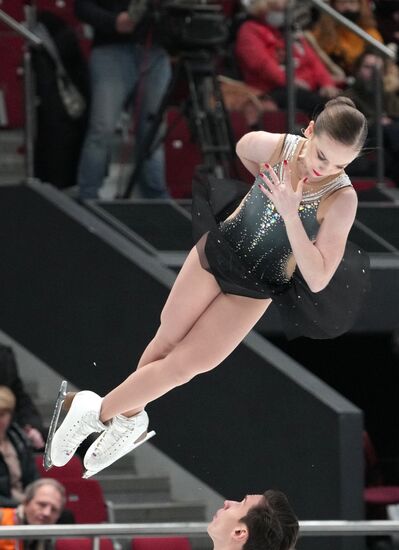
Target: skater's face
point(45, 507)
point(226, 523)
point(5, 420)
point(325, 156)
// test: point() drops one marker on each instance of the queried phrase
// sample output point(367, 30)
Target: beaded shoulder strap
point(342, 180)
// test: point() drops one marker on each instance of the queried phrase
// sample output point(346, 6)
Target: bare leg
point(192, 292)
point(215, 334)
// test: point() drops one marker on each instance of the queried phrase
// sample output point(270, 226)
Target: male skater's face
point(228, 519)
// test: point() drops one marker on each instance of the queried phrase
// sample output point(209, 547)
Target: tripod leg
point(151, 140)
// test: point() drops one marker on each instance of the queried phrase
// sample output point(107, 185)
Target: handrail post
point(289, 66)
point(378, 88)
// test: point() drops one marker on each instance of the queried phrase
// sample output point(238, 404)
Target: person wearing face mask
point(340, 43)
point(362, 91)
point(261, 54)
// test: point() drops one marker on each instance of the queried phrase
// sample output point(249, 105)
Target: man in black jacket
point(26, 414)
point(125, 60)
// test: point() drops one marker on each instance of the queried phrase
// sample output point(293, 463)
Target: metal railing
point(126, 530)
point(31, 40)
point(371, 41)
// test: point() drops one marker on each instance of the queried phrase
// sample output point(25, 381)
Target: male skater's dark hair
point(272, 524)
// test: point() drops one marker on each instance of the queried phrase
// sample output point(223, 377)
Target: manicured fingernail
point(259, 185)
point(267, 165)
point(305, 179)
point(285, 162)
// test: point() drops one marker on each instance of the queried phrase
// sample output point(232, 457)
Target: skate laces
point(120, 428)
point(81, 428)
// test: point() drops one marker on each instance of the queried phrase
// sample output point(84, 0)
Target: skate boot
point(82, 419)
point(122, 435)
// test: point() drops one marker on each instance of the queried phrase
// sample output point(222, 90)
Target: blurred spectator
point(43, 505)
point(340, 43)
point(261, 54)
point(387, 14)
point(26, 414)
point(125, 61)
point(17, 463)
point(362, 92)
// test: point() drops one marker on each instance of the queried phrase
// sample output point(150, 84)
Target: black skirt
point(325, 314)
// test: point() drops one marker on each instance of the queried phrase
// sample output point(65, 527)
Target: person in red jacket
point(261, 53)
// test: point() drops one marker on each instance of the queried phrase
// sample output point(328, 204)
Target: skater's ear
point(240, 534)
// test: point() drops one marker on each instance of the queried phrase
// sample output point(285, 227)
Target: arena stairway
point(85, 298)
point(137, 497)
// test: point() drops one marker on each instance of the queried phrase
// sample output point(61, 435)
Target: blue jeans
point(115, 71)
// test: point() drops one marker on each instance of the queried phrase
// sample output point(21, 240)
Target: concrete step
point(11, 161)
point(11, 140)
point(121, 488)
point(154, 512)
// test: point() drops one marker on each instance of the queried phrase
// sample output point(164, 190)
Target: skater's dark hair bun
point(343, 122)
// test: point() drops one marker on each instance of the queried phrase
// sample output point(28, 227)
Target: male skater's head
point(258, 522)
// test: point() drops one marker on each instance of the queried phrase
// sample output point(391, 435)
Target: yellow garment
point(8, 516)
point(346, 46)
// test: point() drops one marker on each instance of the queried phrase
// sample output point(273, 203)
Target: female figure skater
point(285, 240)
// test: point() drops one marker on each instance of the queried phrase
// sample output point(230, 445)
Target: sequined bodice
point(257, 232)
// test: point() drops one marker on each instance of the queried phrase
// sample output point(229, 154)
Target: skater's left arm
point(317, 261)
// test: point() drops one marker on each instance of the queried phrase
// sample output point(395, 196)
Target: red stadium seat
point(82, 544)
point(85, 499)
point(13, 8)
point(11, 79)
point(377, 496)
point(72, 470)
point(161, 543)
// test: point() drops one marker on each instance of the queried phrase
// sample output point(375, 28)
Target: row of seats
point(86, 500)
point(147, 543)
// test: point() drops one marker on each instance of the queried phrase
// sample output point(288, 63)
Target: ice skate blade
point(62, 393)
point(90, 473)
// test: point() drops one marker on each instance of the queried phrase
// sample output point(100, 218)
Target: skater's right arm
point(256, 148)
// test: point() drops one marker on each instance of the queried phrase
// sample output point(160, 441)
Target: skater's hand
point(34, 436)
point(281, 193)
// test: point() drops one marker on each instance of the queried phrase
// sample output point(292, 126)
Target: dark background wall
point(365, 369)
point(73, 298)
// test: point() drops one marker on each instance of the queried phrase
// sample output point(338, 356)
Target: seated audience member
point(258, 522)
point(340, 43)
point(387, 15)
point(17, 463)
point(43, 505)
point(26, 413)
point(261, 53)
point(363, 93)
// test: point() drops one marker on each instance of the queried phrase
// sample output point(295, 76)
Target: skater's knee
point(162, 345)
point(181, 374)
point(183, 369)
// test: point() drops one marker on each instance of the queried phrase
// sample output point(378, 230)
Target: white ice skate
point(82, 419)
point(121, 436)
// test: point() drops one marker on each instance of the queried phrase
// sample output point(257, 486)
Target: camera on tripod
point(182, 25)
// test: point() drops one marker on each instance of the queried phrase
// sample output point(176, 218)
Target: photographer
point(125, 61)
